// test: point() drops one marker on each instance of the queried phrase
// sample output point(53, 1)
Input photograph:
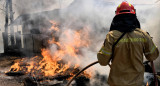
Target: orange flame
point(15, 67)
point(58, 58)
point(54, 26)
point(147, 84)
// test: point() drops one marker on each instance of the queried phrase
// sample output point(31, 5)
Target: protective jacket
point(127, 67)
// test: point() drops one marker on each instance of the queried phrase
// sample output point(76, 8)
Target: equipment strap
point(113, 46)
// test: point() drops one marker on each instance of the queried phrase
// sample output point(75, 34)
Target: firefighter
point(124, 47)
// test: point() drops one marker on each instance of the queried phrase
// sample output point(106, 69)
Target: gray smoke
point(97, 16)
point(2, 11)
point(91, 13)
point(1, 46)
point(149, 18)
point(79, 14)
point(30, 6)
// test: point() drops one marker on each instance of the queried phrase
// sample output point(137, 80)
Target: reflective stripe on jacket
point(127, 67)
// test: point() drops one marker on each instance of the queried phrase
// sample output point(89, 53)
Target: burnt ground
point(5, 63)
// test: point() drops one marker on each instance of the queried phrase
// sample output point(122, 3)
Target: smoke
point(94, 14)
point(148, 77)
point(99, 80)
point(97, 15)
point(91, 13)
point(2, 11)
point(1, 47)
point(149, 18)
point(30, 6)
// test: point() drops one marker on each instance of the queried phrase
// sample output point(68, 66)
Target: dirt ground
point(5, 63)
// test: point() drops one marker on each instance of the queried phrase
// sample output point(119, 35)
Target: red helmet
point(125, 8)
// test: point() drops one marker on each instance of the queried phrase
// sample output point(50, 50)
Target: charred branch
point(11, 73)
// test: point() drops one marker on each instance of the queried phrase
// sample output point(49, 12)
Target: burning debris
point(59, 61)
point(56, 65)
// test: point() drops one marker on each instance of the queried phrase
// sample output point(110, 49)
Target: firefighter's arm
point(104, 53)
point(151, 51)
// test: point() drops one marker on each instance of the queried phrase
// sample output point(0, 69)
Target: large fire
point(60, 58)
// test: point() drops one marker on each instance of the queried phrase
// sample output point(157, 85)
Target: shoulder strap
point(113, 46)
